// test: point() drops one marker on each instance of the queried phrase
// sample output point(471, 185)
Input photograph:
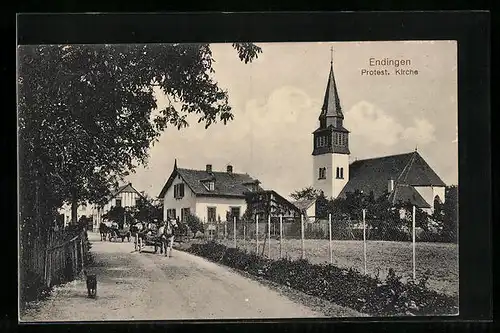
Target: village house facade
point(402, 177)
point(208, 194)
point(124, 196)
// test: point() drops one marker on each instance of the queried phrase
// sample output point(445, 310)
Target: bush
point(346, 287)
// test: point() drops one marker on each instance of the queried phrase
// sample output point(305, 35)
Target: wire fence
point(345, 243)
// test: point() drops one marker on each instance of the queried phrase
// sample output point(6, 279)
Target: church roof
point(331, 103)
point(405, 169)
point(226, 184)
point(405, 193)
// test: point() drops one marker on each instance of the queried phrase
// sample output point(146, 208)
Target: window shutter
point(182, 190)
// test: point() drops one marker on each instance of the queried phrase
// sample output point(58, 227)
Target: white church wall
point(331, 186)
point(429, 193)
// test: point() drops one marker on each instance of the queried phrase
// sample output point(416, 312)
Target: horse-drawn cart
point(121, 233)
point(149, 239)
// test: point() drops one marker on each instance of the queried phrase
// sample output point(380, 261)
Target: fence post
point(330, 236)
point(281, 235)
point(244, 230)
point(45, 262)
point(81, 246)
point(257, 233)
point(302, 235)
point(364, 239)
point(269, 236)
point(413, 241)
point(234, 231)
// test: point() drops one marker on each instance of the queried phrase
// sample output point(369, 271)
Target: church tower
point(331, 144)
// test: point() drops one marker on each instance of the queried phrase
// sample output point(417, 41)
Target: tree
point(85, 113)
point(195, 224)
point(450, 214)
point(148, 209)
point(308, 193)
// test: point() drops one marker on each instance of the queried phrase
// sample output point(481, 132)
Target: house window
point(212, 214)
point(178, 191)
point(171, 213)
point(322, 173)
point(341, 173)
point(211, 186)
point(235, 212)
point(184, 214)
point(118, 202)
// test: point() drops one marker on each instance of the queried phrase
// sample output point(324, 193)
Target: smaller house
point(269, 202)
point(308, 207)
point(124, 196)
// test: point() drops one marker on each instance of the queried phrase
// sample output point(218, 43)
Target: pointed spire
point(416, 148)
point(175, 164)
point(331, 104)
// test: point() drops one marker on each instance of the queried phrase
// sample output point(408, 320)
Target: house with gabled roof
point(308, 207)
point(402, 177)
point(124, 196)
point(207, 194)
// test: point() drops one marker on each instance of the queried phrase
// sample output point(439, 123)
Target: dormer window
point(211, 185)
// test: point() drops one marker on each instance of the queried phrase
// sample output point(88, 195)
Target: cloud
point(373, 124)
point(422, 132)
point(377, 127)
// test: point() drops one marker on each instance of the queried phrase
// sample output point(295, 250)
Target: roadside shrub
point(346, 287)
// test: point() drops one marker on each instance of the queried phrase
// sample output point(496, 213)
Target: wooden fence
point(58, 258)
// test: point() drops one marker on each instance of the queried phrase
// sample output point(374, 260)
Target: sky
point(276, 101)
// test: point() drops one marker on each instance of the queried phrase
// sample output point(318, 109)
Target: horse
point(137, 232)
point(166, 234)
point(104, 230)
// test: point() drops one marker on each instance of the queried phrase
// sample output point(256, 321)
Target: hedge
point(346, 287)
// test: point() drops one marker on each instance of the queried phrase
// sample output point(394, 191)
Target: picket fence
point(54, 260)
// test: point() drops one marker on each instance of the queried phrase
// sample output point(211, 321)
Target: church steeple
point(331, 144)
point(331, 112)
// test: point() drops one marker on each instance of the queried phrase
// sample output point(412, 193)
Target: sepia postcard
point(238, 180)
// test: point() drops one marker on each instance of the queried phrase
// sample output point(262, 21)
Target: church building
point(402, 177)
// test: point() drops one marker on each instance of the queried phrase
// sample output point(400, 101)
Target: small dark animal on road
point(91, 284)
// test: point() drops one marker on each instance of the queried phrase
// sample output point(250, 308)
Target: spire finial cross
point(331, 55)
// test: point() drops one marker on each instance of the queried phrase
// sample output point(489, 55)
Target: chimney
point(390, 185)
point(209, 168)
point(230, 169)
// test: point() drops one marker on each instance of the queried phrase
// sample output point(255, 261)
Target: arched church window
point(337, 174)
point(342, 173)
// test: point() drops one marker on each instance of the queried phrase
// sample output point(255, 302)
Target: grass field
point(441, 259)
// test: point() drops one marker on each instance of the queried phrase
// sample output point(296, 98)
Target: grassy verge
point(345, 287)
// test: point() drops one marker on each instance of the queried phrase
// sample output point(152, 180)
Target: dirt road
point(147, 286)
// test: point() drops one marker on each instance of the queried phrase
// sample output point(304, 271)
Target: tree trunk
point(74, 209)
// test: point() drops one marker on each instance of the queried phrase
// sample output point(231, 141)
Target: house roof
point(304, 204)
point(373, 174)
point(127, 188)
point(226, 184)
